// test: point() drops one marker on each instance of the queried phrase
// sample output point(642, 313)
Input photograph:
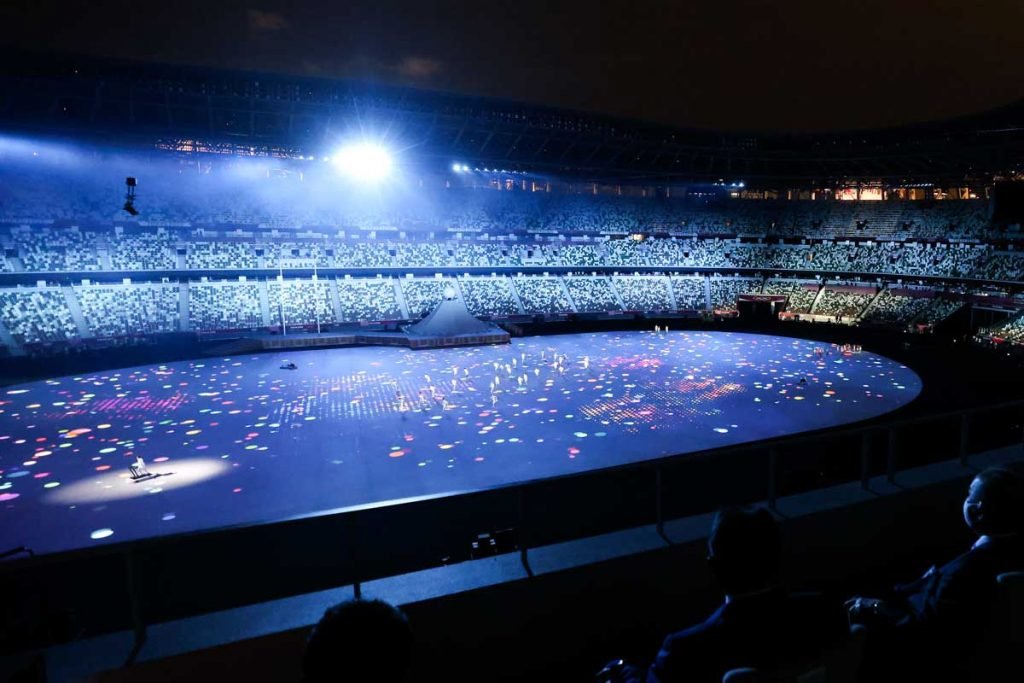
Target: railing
point(134, 584)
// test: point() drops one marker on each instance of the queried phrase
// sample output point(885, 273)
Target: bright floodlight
point(363, 161)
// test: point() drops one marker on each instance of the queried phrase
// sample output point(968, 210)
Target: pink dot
point(162, 458)
point(4, 497)
point(102, 468)
point(41, 475)
point(238, 490)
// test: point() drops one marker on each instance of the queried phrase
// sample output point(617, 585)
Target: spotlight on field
point(363, 161)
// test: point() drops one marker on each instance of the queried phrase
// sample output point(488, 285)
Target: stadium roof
point(135, 104)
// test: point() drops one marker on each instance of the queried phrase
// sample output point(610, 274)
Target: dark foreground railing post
point(522, 534)
point(773, 466)
point(134, 584)
point(965, 437)
point(353, 553)
point(659, 504)
point(865, 460)
point(1022, 432)
point(890, 463)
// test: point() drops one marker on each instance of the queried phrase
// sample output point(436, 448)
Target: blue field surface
point(241, 440)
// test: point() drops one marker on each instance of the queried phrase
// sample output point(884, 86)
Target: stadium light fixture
point(457, 168)
point(363, 161)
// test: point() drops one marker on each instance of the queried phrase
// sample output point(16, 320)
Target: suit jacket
point(944, 615)
point(764, 630)
point(952, 602)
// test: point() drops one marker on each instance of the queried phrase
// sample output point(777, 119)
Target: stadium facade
point(528, 212)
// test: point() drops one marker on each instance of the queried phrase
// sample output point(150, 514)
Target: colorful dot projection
point(244, 439)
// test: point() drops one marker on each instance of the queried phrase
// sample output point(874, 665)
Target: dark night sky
point(745, 64)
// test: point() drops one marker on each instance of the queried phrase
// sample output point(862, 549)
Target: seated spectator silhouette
point(933, 623)
point(759, 624)
point(359, 640)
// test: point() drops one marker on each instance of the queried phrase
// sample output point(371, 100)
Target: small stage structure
point(449, 324)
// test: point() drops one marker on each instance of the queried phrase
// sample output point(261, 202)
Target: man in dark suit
point(933, 623)
point(759, 624)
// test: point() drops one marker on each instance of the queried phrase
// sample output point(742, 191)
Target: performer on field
point(138, 469)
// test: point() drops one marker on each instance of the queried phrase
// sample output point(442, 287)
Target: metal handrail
point(16, 551)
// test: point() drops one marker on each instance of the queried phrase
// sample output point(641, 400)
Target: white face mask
point(972, 506)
